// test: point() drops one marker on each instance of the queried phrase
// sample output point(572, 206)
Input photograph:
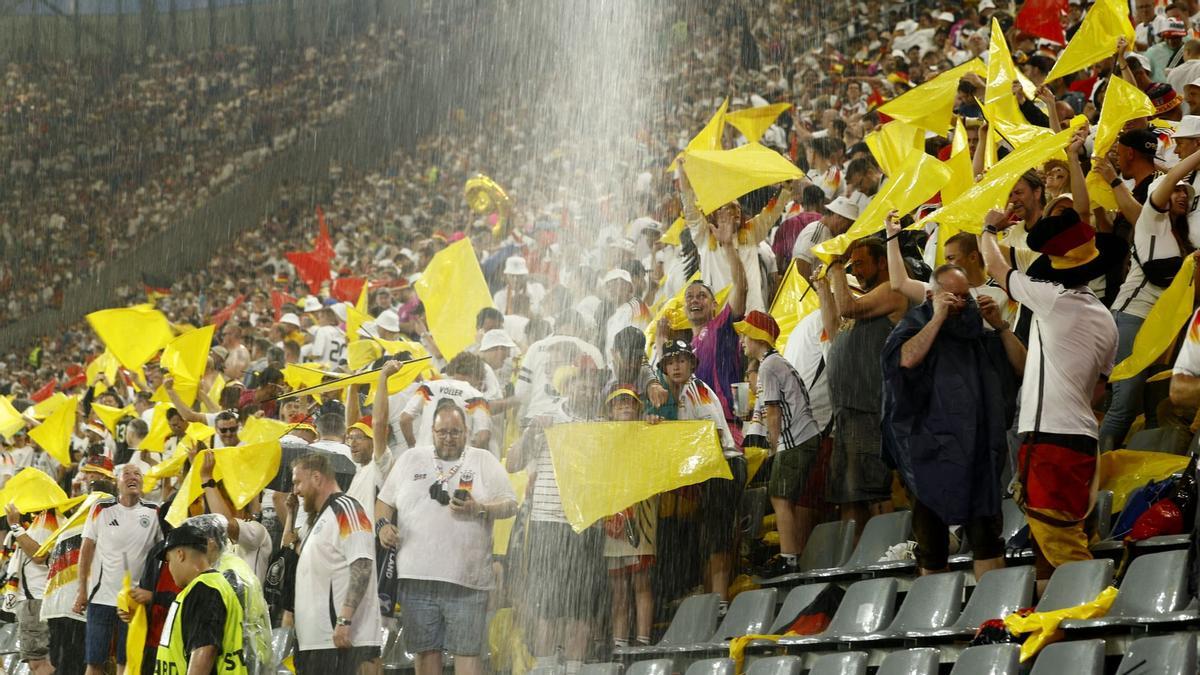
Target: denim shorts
point(437, 615)
point(102, 626)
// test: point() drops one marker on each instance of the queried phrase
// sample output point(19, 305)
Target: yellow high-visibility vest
point(173, 660)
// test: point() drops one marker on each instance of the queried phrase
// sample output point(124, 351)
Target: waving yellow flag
point(1001, 72)
point(754, 122)
point(931, 105)
point(186, 358)
point(1007, 119)
point(1096, 38)
point(75, 520)
point(721, 176)
point(109, 415)
point(54, 434)
point(604, 467)
point(46, 407)
point(244, 471)
point(453, 290)
point(105, 364)
point(10, 420)
point(1169, 313)
point(1122, 102)
point(962, 173)
point(892, 144)
point(135, 639)
point(132, 334)
point(794, 300)
point(671, 236)
point(160, 430)
point(709, 138)
point(32, 490)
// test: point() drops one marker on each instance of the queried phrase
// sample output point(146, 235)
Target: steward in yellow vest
point(203, 631)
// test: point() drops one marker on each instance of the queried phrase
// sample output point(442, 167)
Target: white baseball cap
point(1142, 60)
point(388, 320)
point(844, 207)
point(496, 337)
point(1193, 83)
point(340, 310)
point(945, 16)
point(290, 318)
point(618, 275)
point(516, 265)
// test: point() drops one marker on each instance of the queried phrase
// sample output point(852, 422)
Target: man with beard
point(943, 420)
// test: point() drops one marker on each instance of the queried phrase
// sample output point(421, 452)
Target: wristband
point(990, 229)
point(343, 622)
point(1115, 182)
point(17, 530)
point(210, 483)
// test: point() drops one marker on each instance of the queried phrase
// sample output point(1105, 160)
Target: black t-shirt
point(203, 616)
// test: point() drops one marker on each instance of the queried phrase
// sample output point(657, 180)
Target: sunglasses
point(225, 431)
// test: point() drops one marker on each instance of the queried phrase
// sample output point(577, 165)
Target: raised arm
point(185, 410)
point(725, 232)
point(879, 301)
point(1160, 198)
point(381, 409)
point(1079, 191)
point(897, 271)
point(997, 266)
point(761, 224)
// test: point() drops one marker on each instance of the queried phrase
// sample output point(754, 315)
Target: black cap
point(1140, 140)
point(185, 535)
point(676, 348)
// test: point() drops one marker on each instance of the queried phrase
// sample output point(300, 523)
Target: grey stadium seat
point(849, 663)
point(694, 622)
point(1169, 654)
point(776, 665)
point(998, 594)
point(1154, 590)
point(1082, 657)
point(867, 606)
point(1001, 659)
point(920, 661)
point(1076, 583)
point(711, 667)
point(932, 603)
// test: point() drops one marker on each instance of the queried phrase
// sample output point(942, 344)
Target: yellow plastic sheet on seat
point(1043, 626)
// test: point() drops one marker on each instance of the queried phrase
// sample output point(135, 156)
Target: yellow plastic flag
point(46, 407)
point(262, 429)
point(920, 178)
point(1096, 38)
point(794, 300)
point(105, 364)
point(1122, 102)
point(186, 358)
point(399, 381)
point(198, 432)
point(135, 640)
point(1043, 626)
point(167, 468)
point(54, 434)
point(962, 177)
point(1169, 313)
point(132, 334)
point(362, 304)
point(32, 490)
point(299, 376)
point(10, 420)
point(605, 467)
point(892, 144)
point(214, 393)
point(721, 176)
point(244, 471)
point(754, 122)
point(1001, 72)
point(109, 415)
point(967, 211)
point(160, 430)
point(1123, 471)
point(931, 105)
point(355, 318)
point(75, 520)
point(453, 290)
point(1007, 119)
point(709, 138)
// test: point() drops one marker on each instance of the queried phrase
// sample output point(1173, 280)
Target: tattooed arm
point(360, 577)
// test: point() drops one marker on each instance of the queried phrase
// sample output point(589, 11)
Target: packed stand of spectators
point(926, 374)
point(94, 163)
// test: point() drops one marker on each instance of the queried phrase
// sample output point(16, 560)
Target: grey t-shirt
point(780, 384)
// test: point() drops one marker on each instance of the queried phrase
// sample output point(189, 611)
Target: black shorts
point(719, 502)
point(933, 537)
point(66, 646)
point(567, 570)
point(334, 661)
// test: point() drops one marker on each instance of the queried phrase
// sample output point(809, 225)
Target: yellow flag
point(109, 415)
point(399, 381)
point(362, 304)
point(721, 176)
point(262, 429)
point(364, 352)
point(198, 432)
point(160, 430)
point(186, 358)
point(453, 290)
point(244, 471)
point(132, 334)
point(355, 318)
point(32, 490)
point(754, 122)
point(75, 520)
point(1007, 119)
point(135, 640)
point(1001, 72)
point(605, 467)
point(671, 236)
point(10, 420)
point(920, 178)
point(709, 137)
point(962, 173)
point(930, 106)
point(46, 407)
point(794, 300)
point(54, 434)
point(967, 211)
point(1096, 38)
point(1122, 102)
point(1169, 313)
point(214, 392)
point(298, 376)
point(167, 468)
point(107, 364)
point(892, 144)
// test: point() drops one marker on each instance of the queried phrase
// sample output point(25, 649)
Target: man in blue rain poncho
point(943, 419)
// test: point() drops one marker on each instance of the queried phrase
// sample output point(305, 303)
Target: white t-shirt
point(396, 405)
point(424, 402)
point(632, 313)
point(437, 544)
point(254, 546)
point(779, 384)
point(1188, 361)
point(1074, 339)
point(62, 584)
point(368, 480)
point(340, 535)
point(1152, 240)
point(123, 534)
point(815, 233)
point(328, 346)
point(806, 349)
point(535, 377)
point(533, 289)
point(31, 576)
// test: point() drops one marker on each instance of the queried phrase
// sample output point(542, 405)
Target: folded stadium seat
point(920, 661)
point(1168, 654)
point(1081, 657)
point(750, 612)
point(867, 607)
point(932, 602)
point(881, 533)
point(694, 622)
point(651, 667)
point(828, 547)
point(1103, 516)
point(776, 665)
point(1154, 590)
point(998, 594)
point(1003, 659)
point(1076, 583)
point(723, 666)
point(754, 507)
point(849, 663)
point(609, 668)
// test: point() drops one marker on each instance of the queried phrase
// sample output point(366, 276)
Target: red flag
point(1043, 18)
point(278, 300)
point(75, 381)
point(323, 244)
point(45, 392)
point(347, 289)
point(312, 266)
point(226, 314)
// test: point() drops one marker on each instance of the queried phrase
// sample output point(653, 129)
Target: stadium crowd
point(936, 373)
